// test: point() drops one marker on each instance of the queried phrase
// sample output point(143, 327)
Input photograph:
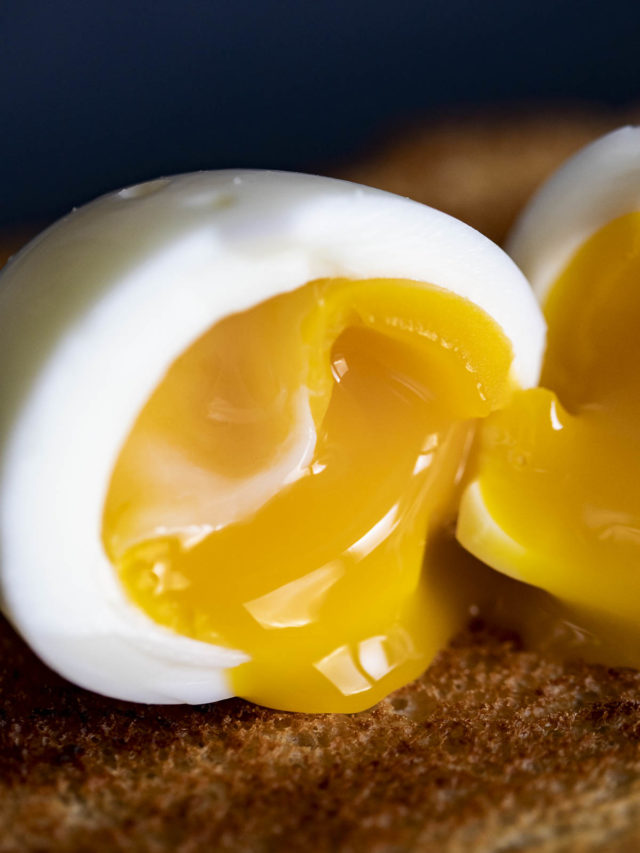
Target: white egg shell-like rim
point(595, 186)
point(94, 311)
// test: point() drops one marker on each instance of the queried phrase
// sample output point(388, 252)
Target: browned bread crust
point(495, 748)
point(483, 167)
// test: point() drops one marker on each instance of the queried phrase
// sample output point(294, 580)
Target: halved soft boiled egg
point(555, 499)
point(235, 405)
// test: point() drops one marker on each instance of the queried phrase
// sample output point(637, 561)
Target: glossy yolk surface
point(559, 469)
point(276, 491)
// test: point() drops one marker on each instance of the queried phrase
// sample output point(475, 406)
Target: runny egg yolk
point(559, 468)
point(276, 491)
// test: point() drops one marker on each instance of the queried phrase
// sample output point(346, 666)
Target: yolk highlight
point(559, 469)
point(277, 490)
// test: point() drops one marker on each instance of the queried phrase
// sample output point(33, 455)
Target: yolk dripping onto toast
point(278, 489)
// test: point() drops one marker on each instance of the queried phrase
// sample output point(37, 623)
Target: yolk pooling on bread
point(276, 492)
point(558, 470)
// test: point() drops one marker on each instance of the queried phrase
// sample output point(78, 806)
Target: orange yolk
point(276, 492)
point(559, 469)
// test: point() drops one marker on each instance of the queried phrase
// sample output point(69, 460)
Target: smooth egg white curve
point(595, 186)
point(94, 311)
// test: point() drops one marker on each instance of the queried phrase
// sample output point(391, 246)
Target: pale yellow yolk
point(559, 469)
point(277, 490)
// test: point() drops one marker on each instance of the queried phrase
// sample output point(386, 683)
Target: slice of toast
point(494, 748)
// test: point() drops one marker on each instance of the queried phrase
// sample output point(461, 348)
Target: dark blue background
point(97, 94)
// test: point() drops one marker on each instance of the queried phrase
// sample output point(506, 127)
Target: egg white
point(94, 311)
point(595, 186)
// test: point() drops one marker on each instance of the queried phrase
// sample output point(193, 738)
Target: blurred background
point(96, 95)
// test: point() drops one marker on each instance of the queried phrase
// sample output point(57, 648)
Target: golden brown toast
point(483, 167)
point(494, 748)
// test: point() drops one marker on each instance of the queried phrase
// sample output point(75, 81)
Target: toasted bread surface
point(482, 167)
point(494, 748)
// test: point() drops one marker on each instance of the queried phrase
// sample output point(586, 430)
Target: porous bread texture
point(493, 749)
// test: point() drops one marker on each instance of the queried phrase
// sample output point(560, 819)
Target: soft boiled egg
point(235, 406)
point(555, 500)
